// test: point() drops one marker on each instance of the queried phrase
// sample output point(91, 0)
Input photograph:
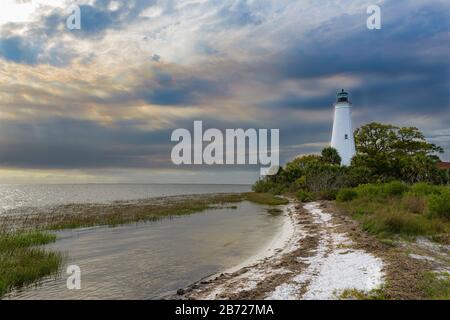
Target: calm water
point(149, 260)
point(16, 196)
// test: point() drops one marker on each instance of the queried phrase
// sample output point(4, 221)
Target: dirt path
point(319, 261)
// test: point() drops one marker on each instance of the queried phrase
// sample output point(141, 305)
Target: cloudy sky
point(99, 104)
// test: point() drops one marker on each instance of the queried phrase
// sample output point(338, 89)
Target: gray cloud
point(68, 143)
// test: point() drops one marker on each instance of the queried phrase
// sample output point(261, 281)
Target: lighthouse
point(342, 138)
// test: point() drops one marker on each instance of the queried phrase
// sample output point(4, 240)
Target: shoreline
point(277, 244)
point(311, 259)
point(202, 202)
point(330, 257)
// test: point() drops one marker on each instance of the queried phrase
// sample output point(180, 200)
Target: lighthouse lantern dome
point(342, 96)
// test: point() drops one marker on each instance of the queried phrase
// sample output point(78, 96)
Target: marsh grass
point(265, 198)
point(87, 215)
point(18, 240)
point(21, 263)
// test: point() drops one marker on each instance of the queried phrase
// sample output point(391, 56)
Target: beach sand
point(312, 257)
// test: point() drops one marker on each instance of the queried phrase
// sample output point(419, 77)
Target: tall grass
point(398, 209)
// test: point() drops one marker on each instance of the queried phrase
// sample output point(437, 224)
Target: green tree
point(322, 176)
point(331, 155)
point(355, 175)
point(410, 141)
point(375, 138)
point(384, 153)
point(390, 152)
point(419, 168)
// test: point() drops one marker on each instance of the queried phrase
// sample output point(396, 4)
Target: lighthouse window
point(346, 137)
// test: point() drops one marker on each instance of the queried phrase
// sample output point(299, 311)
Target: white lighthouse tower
point(342, 138)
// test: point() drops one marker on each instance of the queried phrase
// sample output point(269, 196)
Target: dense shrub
point(327, 194)
point(395, 222)
point(346, 194)
point(305, 196)
point(424, 189)
point(396, 209)
point(369, 190)
point(395, 188)
point(269, 186)
point(439, 205)
point(322, 176)
point(374, 190)
point(356, 175)
point(331, 155)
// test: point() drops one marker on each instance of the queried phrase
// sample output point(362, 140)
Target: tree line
point(385, 153)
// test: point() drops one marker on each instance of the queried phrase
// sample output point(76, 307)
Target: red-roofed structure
point(443, 165)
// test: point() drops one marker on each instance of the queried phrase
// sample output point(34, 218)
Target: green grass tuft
point(345, 195)
point(354, 294)
point(21, 264)
point(304, 196)
point(436, 286)
point(25, 239)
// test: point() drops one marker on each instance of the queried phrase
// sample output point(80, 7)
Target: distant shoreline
point(37, 196)
point(77, 215)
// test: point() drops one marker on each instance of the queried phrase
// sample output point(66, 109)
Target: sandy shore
point(313, 257)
